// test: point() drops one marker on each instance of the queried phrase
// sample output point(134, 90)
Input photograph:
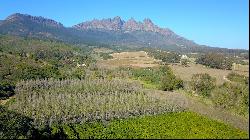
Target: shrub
point(169, 81)
point(184, 62)
point(202, 84)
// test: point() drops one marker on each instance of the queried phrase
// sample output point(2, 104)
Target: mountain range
point(110, 31)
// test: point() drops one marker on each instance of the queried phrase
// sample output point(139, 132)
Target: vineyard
point(79, 101)
point(170, 125)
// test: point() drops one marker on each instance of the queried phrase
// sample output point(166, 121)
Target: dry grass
point(241, 68)
point(133, 59)
point(185, 73)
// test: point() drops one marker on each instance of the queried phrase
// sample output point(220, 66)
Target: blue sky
point(217, 23)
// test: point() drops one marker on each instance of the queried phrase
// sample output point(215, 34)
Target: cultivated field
point(133, 59)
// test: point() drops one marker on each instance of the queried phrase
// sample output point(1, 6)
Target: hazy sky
point(217, 23)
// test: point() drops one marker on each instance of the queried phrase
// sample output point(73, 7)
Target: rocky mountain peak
point(149, 25)
point(132, 25)
point(148, 21)
point(117, 24)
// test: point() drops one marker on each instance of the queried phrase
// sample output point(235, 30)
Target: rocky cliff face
point(117, 24)
point(114, 24)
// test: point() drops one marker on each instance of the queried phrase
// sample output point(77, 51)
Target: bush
point(184, 62)
point(169, 81)
point(202, 84)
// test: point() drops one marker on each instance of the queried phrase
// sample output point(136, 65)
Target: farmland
point(117, 94)
point(171, 125)
point(133, 59)
point(141, 59)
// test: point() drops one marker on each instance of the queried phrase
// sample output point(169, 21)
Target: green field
point(169, 125)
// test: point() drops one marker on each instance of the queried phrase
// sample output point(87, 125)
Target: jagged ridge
point(117, 24)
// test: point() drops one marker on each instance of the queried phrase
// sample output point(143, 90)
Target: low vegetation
point(171, 125)
point(234, 95)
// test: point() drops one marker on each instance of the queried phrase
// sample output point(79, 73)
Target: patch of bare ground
point(193, 104)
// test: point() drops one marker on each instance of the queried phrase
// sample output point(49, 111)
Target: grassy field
point(185, 73)
point(133, 59)
point(171, 125)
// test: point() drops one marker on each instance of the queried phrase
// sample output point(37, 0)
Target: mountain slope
point(146, 33)
point(106, 31)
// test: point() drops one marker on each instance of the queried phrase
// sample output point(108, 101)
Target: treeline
point(215, 60)
point(165, 56)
